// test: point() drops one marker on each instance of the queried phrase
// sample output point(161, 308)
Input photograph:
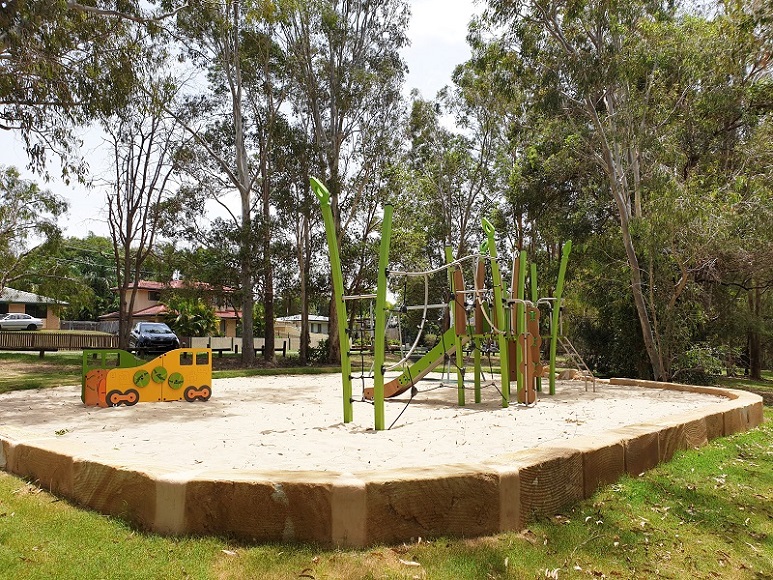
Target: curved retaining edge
point(387, 506)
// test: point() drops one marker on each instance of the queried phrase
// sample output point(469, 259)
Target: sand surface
point(296, 423)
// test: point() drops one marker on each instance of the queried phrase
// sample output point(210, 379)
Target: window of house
point(154, 295)
point(4, 308)
point(36, 310)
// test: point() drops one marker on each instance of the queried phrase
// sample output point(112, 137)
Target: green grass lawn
point(706, 514)
point(29, 371)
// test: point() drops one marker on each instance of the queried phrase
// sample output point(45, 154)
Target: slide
point(421, 367)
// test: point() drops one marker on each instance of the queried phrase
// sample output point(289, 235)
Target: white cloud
point(442, 20)
point(86, 206)
point(438, 32)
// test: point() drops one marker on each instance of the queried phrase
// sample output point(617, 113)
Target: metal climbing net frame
point(505, 316)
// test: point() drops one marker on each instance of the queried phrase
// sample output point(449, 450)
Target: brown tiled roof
point(159, 309)
point(176, 285)
point(228, 313)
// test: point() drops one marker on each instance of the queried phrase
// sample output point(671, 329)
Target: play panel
point(115, 377)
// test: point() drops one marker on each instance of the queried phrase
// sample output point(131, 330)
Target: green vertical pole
point(457, 338)
point(534, 299)
point(338, 293)
point(500, 310)
point(478, 342)
point(520, 321)
point(380, 330)
point(565, 251)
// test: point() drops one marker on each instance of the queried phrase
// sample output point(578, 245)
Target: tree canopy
point(640, 130)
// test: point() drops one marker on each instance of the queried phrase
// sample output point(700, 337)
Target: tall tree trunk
point(245, 188)
point(268, 275)
point(650, 344)
point(268, 271)
point(612, 164)
point(755, 342)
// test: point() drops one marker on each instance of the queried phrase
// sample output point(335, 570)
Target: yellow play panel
point(181, 374)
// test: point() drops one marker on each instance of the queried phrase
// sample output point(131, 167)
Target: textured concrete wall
point(387, 506)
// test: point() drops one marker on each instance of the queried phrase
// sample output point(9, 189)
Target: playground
point(438, 445)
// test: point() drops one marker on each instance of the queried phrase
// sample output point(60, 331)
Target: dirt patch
point(22, 369)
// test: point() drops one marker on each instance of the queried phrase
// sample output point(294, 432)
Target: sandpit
point(270, 459)
point(295, 423)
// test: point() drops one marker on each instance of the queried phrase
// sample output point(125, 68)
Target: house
point(148, 306)
point(19, 301)
point(317, 324)
point(289, 327)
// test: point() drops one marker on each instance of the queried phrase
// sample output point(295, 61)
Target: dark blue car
point(152, 337)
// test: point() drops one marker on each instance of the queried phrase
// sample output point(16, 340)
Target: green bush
point(701, 365)
point(191, 317)
point(318, 354)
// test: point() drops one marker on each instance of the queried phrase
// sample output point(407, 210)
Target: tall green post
point(520, 324)
point(500, 310)
point(534, 299)
point(477, 338)
point(338, 294)
point(556, 320)
point(380, 329)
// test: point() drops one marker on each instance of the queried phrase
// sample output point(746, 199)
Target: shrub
point(318, 354)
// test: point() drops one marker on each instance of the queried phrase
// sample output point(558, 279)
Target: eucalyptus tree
point(299, 217)
point(65, 64)
point(344, 62)
point(28, 225)
point(629, 91)
point(233, 126)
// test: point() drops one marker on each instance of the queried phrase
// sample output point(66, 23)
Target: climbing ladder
point(577, 361)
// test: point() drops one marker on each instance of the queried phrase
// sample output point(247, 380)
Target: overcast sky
point(437, 31)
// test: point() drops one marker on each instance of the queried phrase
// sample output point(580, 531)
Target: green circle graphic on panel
point(141, 378)
point(176, 380)
point(159, 374)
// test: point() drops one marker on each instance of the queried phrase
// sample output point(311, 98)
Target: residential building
point(148, 306)
point(317, 324)
point(19, 301)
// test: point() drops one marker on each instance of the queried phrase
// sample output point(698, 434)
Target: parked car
point(20, 322)
point(154, 337)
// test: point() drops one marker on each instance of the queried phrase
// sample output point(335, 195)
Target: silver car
point(20, 322)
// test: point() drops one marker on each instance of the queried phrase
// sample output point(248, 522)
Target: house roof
point(160, 309)
point(228, 314)
point(297, 318)
point(176, 285)
point(21, 297)
point(155, 310)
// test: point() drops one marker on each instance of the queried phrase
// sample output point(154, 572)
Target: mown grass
point(766, 384)
point(30, 371)
point(706, 514)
